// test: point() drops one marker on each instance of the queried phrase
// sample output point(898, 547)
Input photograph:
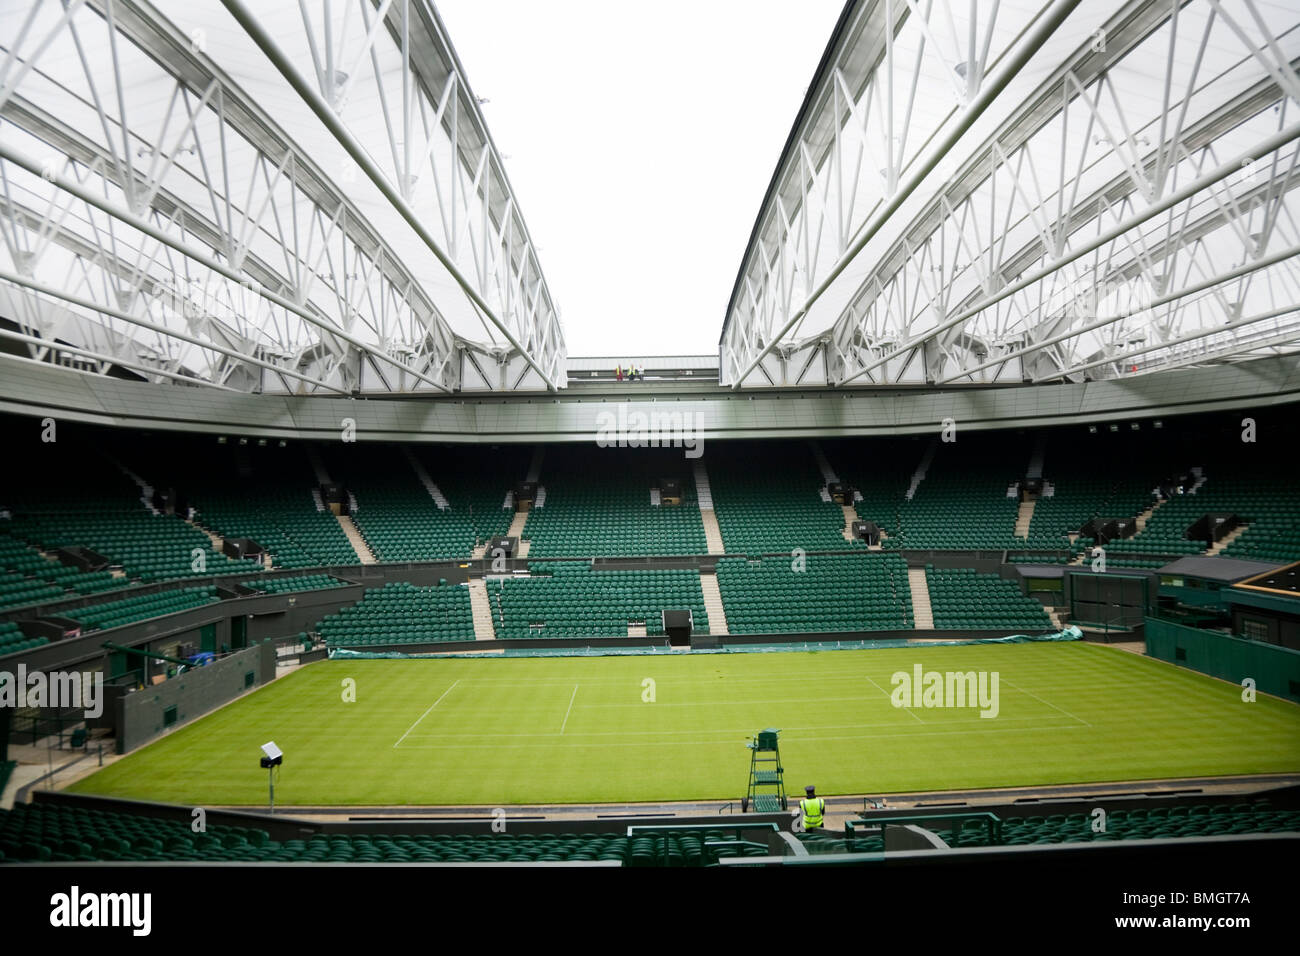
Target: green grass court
point(576, 730)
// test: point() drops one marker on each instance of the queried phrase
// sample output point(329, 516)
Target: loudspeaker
point(241, 548)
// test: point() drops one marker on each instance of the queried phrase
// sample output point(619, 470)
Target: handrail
point(992, 821)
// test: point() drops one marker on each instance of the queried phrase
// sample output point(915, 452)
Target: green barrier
point(1071, 633)
point(1275, 670)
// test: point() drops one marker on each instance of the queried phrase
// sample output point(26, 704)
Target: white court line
point(570, 710)
point(891, 700)
point(720, 730)
point(425, 714)
point(1041, 701)
point(729, 740)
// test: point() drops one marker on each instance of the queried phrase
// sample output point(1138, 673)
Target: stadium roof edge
point(715, 412)
point(828, 58)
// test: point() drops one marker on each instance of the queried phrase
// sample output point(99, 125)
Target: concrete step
point(1145, 516)
point(358, 543)
point(517, 524)
point(481, 609)
point(1227, 539)
point(1057, 616)
point(703, 493)
point(420, 472)
point(713, 603)
point(921, 610)
point(850, 516)
point(712, 533)
point(918, 476)
point(215, 538)
point(1025, 515)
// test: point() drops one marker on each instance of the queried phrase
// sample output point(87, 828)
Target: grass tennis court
point(576, 730)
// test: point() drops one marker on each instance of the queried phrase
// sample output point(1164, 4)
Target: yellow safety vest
point(812, 812)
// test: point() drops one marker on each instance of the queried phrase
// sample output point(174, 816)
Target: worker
point(814, 811)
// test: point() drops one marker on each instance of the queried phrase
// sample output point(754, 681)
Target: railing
point(992, 822)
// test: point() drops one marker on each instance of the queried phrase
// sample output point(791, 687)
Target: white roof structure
point(1012, 191)
point(264, 197)
point(303, 198)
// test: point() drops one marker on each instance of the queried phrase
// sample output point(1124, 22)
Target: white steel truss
point(1106, 190)
point(175, 205)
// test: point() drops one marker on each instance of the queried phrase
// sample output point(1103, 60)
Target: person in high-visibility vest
point(814, 811)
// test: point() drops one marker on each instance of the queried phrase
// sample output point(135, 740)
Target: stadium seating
point(16, 591)
point(55, 833)
point(402, 613)
point(141, 608)
point(309, 582)
point(1078, 498)
point(13, 641)
point(768, 499)
point(283, 521)
point(1162, 822)
point(879, 471)
point(867, 592)
point(398, 518)
point(598, 505)
point(565, 599)
point(961, 598)
point(59, 833)
point(19, 558)
point(147, 546)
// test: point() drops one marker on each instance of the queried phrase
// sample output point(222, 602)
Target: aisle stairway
point(434, 491)
point(713, 603)
point(712, 533)
point(850, 516)
point(364, 554)
point(1228, 538)
point(1025, 515)
point(920, 588)
point(918, 476)
point(481, 609)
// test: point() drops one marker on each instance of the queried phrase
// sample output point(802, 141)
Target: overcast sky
point(639, 140)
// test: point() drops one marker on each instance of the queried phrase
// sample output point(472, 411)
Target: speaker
point(867, 531)
point(241, 548)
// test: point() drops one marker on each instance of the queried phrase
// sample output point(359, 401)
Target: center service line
point(567, 712)
point(426, 713)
